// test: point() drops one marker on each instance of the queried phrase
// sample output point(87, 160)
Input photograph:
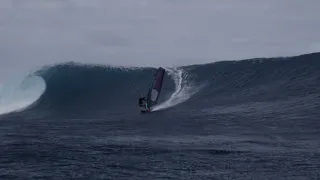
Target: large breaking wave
point(73, 87)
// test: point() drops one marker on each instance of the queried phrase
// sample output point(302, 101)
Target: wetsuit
point(142, 101)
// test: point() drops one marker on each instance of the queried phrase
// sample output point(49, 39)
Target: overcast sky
point(153, 32)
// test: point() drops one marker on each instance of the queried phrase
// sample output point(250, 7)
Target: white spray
point(19, 93)
point(183, 89)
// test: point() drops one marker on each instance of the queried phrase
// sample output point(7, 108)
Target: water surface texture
point(250, 119)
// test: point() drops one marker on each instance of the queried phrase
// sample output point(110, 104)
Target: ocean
point(251, 119)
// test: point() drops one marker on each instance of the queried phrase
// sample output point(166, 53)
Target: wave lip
point(19, 93)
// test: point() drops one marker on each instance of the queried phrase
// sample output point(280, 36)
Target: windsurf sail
point(154, 91)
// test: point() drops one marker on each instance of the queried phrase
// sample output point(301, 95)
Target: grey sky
point(153, 32)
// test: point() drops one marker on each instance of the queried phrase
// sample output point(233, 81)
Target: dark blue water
point(251, 119)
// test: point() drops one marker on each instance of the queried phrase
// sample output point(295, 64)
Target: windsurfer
point(143, 103)
point(153, 94)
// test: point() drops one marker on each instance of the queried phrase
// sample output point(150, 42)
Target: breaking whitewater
point(256, 118)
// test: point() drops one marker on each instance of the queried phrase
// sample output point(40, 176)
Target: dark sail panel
point(156, 86)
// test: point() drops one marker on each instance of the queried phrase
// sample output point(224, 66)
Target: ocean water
point(250, 119)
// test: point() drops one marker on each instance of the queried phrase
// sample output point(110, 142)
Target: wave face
point(261, 79)
point(74, 87)
point(213, 121)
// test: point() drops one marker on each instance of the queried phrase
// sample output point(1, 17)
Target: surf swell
point(72, 87)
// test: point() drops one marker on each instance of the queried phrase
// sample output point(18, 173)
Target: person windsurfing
point(143, 102)
point(154, 91)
